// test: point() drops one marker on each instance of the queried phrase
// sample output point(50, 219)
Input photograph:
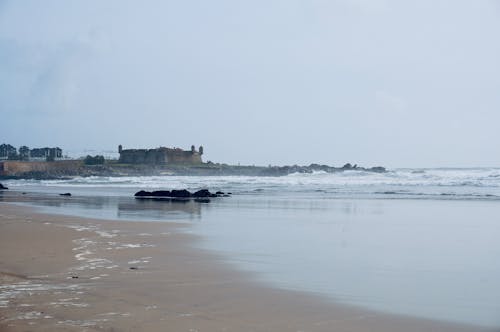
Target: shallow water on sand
point(431, 258)
point(421, 258)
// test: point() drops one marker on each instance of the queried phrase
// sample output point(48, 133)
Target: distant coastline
point(49, 163)
point(72, 168)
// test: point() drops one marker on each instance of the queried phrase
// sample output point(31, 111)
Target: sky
point(373, 82)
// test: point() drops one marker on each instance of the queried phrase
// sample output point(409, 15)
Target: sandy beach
point(60, 273)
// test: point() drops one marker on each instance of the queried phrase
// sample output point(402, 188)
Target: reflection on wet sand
point(109, 207)
point(158, 209)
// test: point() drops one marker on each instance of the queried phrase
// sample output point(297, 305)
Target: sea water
point(418, 242)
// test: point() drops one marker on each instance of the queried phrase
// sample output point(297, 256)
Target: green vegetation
point(96, 160)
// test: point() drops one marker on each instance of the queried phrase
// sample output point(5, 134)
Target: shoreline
point(63, 169)
point(63, 273)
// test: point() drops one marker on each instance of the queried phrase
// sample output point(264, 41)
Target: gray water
point(422, 243)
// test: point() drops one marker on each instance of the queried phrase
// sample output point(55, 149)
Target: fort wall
point(160, 156)
point(16, 168)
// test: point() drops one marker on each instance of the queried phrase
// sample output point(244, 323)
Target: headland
point(49, 163)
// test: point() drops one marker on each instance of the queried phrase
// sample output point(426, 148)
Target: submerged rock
point(347, 166)
point(378, 169)
point(181, 195)
point(2, 187)
point(143, 193)
point(202, 193)
point(161, 193)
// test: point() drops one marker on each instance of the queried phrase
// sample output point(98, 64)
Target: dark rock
point(74, 277)
point(180, 193)
point(161, 193)
point(202, 193)
point(2, 187)
point(347, 166)
point(142, 193)
point(133, 268)
point(65, 194)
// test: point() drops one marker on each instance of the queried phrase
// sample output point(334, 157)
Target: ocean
point(417, 242)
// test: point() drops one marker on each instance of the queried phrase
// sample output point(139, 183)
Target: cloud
point(307, 73)
point(37, 79)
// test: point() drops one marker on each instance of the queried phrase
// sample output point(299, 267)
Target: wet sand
point(60, 273)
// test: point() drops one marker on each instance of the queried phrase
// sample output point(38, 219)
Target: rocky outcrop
point(204, 193)
point(179, 194)
point(2, 187)
point(71, 168)
point(143, 193)
point(286, 170)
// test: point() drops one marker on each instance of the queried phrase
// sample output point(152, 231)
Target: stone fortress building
point(160, 156)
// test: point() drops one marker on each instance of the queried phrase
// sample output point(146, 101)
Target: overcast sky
point(373, 82)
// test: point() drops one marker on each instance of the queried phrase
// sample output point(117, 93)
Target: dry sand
point(60, 273)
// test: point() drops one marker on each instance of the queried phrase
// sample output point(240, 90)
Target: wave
point(478, 182)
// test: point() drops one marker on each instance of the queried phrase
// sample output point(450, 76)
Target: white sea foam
point(28, 316)
point(134, 245)
point(80, 228)
point(471, 182)
point(82, 323)
point(66, 304)
point(9, 292)
point(126, 314)
point(105, 234)
point(143, 260)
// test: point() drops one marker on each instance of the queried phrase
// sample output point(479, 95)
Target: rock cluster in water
point(180, 194)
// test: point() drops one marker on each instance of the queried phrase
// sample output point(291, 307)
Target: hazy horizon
point(381, 82)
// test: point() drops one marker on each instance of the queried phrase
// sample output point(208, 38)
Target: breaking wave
point(399, 183)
